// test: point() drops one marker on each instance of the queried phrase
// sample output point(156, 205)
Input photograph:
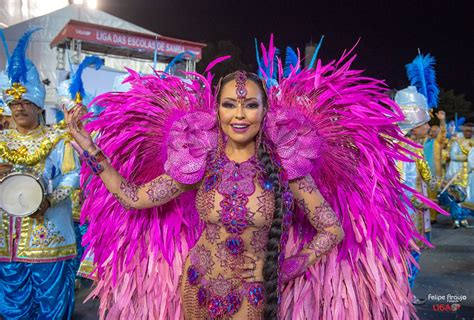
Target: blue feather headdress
point(268, 63)
point(17, 66)
point(315, 54)
point(422, 75)
point(24, 78)
point(178, 59)
point(155, 53)
point(76, 88)
point(292, 62)
point(4, 81)
point(5, 45)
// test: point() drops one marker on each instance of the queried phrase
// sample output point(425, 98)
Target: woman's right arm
point(154, 193)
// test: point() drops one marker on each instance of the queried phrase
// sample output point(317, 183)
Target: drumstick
point(449, 183)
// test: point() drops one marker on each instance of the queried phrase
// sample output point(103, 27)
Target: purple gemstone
point(193, 275)
point(202, 296)
point(268, 185)
point(233, 301)
point(288, 198)
point(235, 245)
point(256, 295)
point(210, 182)
point(241, 91)
point(216, 307)
point(233, 217)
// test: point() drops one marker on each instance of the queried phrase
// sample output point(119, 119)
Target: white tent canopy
point(14, 11)
point(44, 57)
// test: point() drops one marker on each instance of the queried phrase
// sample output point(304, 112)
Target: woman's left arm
point(322, 218)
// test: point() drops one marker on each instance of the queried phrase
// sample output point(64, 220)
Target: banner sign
point(118, 38)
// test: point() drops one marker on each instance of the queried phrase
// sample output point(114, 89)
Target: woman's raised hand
point(76, 128)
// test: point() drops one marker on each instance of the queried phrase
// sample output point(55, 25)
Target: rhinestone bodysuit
point(238, 211)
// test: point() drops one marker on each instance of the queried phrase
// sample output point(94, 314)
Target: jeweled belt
point(227, 304)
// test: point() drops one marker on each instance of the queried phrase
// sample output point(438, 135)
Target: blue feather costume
point(422, 75)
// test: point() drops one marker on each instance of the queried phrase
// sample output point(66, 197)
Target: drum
point(457, 192)
point(21, 194)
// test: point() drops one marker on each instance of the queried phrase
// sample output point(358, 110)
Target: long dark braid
point(270, 268)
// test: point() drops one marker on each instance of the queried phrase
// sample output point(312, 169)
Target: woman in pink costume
point(230, 204)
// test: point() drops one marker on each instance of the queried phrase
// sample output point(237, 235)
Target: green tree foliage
point(453, 103)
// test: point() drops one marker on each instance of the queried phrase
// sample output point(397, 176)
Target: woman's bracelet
point(93, 160)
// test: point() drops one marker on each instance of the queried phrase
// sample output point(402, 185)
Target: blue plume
point(267, 69)
point(451, 128)
point(422, 75)
point(291, 62)
point(17, 63)
point(259, 62)
point(76, 83)
point(315, 54)
point(458, 122)
point(5, 45)
point(178, 59)
point(155, 54)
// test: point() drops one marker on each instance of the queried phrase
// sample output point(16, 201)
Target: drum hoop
point(37, 179)
point(20, 174)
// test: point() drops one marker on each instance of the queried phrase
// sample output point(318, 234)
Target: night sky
point(391, 31)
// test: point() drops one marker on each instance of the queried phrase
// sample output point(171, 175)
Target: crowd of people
point(442, 171)
point(273, 196)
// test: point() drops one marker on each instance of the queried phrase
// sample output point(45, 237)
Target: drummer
point(36, 252)
point(416, 174)
point(458, 168)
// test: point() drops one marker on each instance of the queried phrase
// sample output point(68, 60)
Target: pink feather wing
point(351, 152)
point(140, 254)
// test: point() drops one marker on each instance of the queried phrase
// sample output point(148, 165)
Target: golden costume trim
point(4, 235)
point(34, 229)
point(69, 163)
point(16, 90)
point(87, 269)
point(23, 157)
point(76, 198)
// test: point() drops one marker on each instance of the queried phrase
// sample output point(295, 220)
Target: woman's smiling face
point(241, 117)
